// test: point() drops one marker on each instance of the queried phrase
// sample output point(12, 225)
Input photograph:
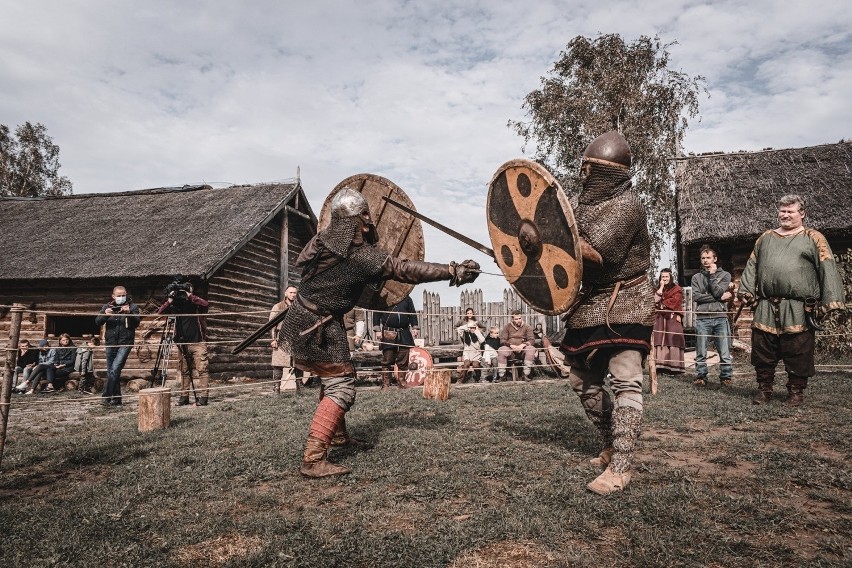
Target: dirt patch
point(506, 554)
point(218, 551)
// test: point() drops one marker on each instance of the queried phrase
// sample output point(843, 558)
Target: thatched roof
point(726, 197)
point(156, 232)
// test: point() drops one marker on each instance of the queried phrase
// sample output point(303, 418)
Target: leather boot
point(626, 423)
point(796, 388)
point(385, 379)
point(315, 463)
point(610, 482)
point(202, 401)
point(765, 380)
point(183, 401)
point(603, 459)
point(342, 439)
point(763, 394)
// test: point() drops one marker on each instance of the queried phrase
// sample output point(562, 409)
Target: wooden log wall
point(438, 323)
point(250, 284)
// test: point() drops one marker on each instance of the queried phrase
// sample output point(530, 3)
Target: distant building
point(237, 245)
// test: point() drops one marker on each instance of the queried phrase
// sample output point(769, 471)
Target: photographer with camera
point(121, 317)
point(190, 337)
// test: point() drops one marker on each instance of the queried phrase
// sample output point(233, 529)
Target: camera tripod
point(160, 372)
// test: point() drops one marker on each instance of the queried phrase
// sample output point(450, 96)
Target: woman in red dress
point(668, 325)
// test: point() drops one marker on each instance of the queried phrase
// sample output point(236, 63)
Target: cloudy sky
point(152, 94)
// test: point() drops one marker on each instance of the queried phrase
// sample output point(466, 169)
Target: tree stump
point(154, 408)
point(436, 385)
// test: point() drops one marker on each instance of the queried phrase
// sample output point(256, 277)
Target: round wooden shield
point(419, 363)
point(400, 234)
point(534, 235)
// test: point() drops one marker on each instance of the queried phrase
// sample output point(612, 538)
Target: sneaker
point(49, 388)
point(726, 382)
point(31, 391)
point(700, 381)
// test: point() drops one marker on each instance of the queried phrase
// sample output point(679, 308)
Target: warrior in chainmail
point(609, 331)
point(338, 265)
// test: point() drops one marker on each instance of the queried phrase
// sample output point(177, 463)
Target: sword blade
point(443, 228)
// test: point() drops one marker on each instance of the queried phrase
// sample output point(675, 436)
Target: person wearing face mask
point(121, 318)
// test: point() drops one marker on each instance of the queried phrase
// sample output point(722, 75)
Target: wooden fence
point(438, 323)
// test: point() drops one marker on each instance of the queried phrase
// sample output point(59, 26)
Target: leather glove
point(463, 272)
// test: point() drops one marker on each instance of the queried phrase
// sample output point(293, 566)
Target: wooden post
point(11, 358)
point(652, 370)
point(436, 385)
point(154, 408)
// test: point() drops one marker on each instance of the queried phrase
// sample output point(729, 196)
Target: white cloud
point(163, 93)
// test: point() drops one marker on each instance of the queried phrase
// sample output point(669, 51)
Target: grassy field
point(493, 477)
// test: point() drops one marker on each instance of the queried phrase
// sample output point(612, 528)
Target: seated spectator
point(472, 339)
point(489, 352)
point(63, 364)
point(46, 357)
point(516, 341)
point(27, 360)
point(84, 363)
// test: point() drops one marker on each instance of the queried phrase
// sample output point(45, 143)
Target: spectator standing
point(711, 290)
point(354, 322)
point(792, 276)
point(669, 343)
point(84, 364)
point(191, 338)
point(397, 328)
point(26, 362)
point(516, 341)
point(282, 365)
point(121, 318)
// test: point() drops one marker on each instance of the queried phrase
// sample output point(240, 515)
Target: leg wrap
point(796, 383)
point(626, 422)
point(327, 420)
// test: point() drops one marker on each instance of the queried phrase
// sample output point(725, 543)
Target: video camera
point(178, 288)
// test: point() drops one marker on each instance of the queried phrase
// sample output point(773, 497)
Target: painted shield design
point(534, 235)
point(400, 234)
point(419, 363)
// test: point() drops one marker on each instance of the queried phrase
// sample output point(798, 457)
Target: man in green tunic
point(791, 275)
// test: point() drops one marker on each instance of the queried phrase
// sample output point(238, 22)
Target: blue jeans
point(116, 357)
point(720, 330)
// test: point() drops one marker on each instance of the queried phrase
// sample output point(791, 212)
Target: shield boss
point(399, 233)
point(534, 235)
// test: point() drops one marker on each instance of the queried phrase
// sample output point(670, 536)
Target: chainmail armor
point(335, 291)
point(337, 237)
point(613, 220)
point(626, 424)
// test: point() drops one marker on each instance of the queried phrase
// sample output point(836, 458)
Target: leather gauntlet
point(463, 272)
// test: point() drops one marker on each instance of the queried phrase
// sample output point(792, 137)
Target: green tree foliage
point(29, 163)
point(602, 84)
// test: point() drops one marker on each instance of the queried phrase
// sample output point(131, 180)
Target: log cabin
point(62, 256)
